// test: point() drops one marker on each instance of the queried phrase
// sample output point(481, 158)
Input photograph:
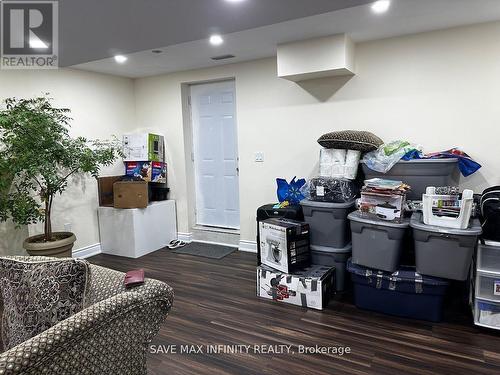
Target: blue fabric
point(290, 191)
point(413, 154)
point(466, 165)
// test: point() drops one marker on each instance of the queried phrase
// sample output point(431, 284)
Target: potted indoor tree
point(37, 159)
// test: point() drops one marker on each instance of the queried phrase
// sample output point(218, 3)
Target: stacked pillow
point(351, 140)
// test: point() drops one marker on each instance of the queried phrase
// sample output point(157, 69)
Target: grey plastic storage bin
point(332, 257)
point(377, 243)
point(328, 222)
point(419, 174)
point(444, 252)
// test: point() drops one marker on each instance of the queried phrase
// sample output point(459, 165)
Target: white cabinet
point(136, 232)
point(486, 287)
point(316, 58)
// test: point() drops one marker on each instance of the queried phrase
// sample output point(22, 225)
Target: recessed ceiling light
point(235, 1)
point(216, 40)
point(381, 6)
point(120, 59)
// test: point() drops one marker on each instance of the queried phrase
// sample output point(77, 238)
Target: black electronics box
point(284, 244)
point(268, 211)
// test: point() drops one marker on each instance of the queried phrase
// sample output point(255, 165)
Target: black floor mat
point(206, 250)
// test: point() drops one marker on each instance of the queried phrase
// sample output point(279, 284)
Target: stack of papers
point(379, 185)
point(384, 198)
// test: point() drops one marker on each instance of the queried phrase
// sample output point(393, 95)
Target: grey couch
point(110, 336)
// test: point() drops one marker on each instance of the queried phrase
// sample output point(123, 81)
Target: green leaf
point(38, 156)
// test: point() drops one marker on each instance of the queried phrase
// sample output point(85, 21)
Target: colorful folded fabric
point(466, 165)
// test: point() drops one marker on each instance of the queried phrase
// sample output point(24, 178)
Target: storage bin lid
point(359, 217)
point(474, 229)
point(425, 161)
point(404, 274)
point(332, 250)
point(330, 205)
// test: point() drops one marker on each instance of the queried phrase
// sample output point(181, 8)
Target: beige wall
point(438, 89)
point(101, 106)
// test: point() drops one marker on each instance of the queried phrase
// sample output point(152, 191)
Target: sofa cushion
point(38, 294)
point(351, 140)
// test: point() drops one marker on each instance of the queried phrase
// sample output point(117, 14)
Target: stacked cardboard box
point(145, 174)
point(145, 157)
point(286, 274)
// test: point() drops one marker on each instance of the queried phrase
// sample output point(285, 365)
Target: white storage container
point(488, 287)
point(461, 222)
point(487, 314)
point(488, 258)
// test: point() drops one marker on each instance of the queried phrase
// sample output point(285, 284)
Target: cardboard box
point(284, 244)
point(311, 287)
point(105, 190)
point(149, 171)
point(130, 194)
point(146, 146)
point(388, 207)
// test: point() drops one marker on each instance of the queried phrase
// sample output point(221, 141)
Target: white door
point(215, 146)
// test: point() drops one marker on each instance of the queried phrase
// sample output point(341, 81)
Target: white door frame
point(191, 161)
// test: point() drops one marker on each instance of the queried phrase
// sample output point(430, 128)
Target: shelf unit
point(485, 286)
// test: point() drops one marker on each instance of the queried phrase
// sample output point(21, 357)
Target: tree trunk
point(48, 223)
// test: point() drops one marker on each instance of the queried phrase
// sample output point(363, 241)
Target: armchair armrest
point(108, 337)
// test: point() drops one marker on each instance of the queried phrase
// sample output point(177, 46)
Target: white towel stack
point(339, 163)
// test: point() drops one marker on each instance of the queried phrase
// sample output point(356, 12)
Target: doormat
point(206, 250)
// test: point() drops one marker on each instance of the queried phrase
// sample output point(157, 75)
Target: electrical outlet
point(259, 157)
point(67, 227)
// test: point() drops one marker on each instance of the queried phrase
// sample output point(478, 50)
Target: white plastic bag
point(386, 156)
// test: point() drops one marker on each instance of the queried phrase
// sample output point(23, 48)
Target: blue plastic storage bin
point(402, 293)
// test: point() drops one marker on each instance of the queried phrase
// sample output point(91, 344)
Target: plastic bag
point(290, 192)
point(386, 156)
point(327, 189)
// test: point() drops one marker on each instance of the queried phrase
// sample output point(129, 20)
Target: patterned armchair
point(110, 336)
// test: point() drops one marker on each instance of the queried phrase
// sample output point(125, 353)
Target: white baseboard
point(248, 246)
point(87, 251)
point(186, 237)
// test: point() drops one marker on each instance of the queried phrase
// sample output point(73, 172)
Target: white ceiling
point(96, 29)
point(404, 17)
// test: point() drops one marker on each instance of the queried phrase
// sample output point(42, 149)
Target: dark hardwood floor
point(215, 303)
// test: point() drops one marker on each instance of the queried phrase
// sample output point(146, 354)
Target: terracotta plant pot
point(60, 248)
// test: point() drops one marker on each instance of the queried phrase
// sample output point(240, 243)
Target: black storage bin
point(335, 190)
point(268, 212)
point(284, 244)
point(403, 293)
point(158, 192)
point(490, 213)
